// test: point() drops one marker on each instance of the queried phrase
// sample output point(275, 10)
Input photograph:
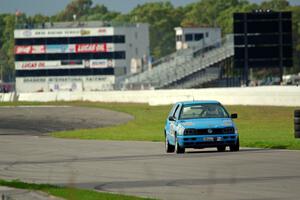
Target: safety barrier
point(268, 95)
point(8, 97)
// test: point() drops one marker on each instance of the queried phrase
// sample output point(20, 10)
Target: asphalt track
point(143, 169)
point(40, 120)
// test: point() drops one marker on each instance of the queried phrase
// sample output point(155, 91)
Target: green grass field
point(259, 126)
point(67, 193)
point(147, 125)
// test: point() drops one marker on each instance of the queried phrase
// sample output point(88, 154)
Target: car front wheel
point(178, 149)
point(236, 146)
point(169, 148)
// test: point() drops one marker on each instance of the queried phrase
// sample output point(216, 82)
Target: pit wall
point(269, 95)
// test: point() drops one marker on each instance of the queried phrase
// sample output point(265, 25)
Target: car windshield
point(196, 111)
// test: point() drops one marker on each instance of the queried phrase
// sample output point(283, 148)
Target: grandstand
point(187, 68)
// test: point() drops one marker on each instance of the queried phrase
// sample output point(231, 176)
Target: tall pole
point(280, 48)
point(246, 57)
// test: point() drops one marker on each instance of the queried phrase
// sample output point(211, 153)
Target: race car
point(200, 124)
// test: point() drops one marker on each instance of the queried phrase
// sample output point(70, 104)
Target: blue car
point(200, 124)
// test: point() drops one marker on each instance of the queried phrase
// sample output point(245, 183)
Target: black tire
point(221, 148)
point(297, 134)
point(178, 149)
point(297, 113)
point(169, 148)
point(236, 146)
point(297, 127)
point(297, 120)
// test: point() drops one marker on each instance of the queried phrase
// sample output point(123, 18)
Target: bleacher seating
point(177, 69)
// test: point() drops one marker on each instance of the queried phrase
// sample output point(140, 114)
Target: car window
point(177, 112)
point(191, 112)
point(203, 111)
point(173, 110)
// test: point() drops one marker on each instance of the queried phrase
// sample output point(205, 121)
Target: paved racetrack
point(39, 120)
point(143, 169)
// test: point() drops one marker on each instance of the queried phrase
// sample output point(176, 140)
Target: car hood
point(207, 123)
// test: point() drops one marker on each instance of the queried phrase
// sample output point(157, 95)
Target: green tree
point(296, 38)
point(2, 24)
point(225, 17)
point(214, 13)
point(100, 13)
point(39, 19)
point(276, 5)
point(7, 49)
point(162, 17)
point(76, 7)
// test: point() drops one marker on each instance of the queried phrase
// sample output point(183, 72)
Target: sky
point(51, 7)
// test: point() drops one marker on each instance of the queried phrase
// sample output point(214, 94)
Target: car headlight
point(180, 130)
point(235, 131)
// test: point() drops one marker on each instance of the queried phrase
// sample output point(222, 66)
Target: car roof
point(199, 102)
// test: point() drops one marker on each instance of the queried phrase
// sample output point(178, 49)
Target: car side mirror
point(234, 116)
point(171, 118)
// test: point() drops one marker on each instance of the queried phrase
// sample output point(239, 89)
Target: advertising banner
point(65, 83)
point(60, 48)
point(110, 47)
point(38, 49)
point(65, 86)
point(26, 65)
point(62, 32)
point(59, 64)
point(71, 62)
point(64, 48)
point(101, 63)
point(91, 48)
point(23, 50)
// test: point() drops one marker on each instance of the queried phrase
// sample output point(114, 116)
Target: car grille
point(212, 131)
point(208, 144)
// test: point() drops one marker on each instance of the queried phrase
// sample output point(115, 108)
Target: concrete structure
point(188, 37)
point(264, 96)
point(187, 68)
point(78, 56)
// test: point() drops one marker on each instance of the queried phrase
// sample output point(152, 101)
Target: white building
point(81, 56)
point(188, 37)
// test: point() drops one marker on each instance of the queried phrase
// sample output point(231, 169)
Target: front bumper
point(207, 140)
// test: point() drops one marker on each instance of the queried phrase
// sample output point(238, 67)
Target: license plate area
point(213, 139)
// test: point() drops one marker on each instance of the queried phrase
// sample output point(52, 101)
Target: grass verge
point(147, 125)
point(259, 126)
point(67, 193)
